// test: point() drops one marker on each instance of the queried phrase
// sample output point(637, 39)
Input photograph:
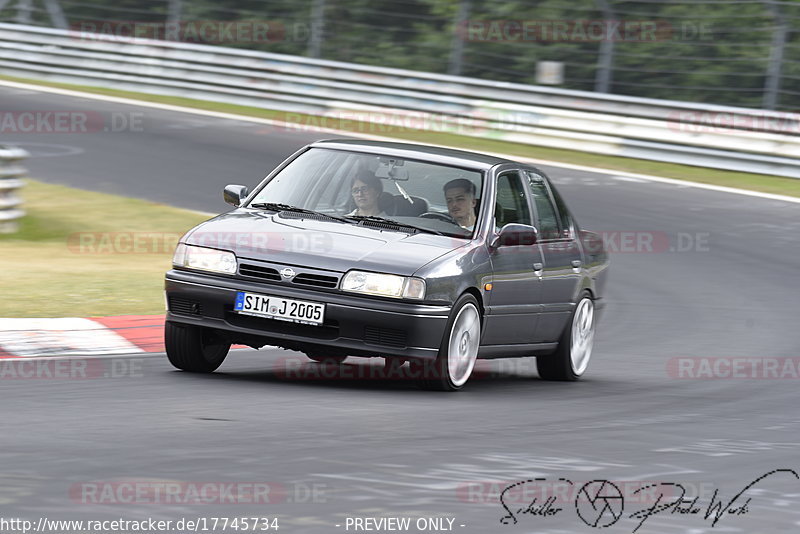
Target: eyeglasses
point(362, 189)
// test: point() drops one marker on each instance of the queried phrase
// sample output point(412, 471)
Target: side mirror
point(515, 235)
point(234, 194)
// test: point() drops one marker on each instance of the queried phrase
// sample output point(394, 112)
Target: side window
point(511, 206)
point(545, 211)
point(563, 212)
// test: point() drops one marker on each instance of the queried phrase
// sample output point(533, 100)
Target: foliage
point(704, 50)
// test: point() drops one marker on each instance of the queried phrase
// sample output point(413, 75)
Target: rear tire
point(193, 348)
point(458, 351)
point(574, 351)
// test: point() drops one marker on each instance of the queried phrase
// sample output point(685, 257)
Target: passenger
point(460, 197)
point(366, 190)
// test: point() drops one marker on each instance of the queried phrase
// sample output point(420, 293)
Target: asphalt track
point(378, 446)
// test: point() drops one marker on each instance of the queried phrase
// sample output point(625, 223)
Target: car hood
point(321, 244)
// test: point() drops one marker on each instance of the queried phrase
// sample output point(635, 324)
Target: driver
point(366, 189)
point(460, 197)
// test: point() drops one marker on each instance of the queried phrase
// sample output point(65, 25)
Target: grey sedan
point(413, 253)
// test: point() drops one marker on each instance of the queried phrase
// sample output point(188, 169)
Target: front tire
point(193, 348)
point(459, 349)
point(574, 351)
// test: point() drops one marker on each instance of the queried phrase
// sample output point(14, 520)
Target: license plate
point(271, 307)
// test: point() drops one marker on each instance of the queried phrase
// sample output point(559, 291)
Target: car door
point(561, 255)
point(513, 304)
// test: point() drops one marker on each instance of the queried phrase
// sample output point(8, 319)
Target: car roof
point(430, 153)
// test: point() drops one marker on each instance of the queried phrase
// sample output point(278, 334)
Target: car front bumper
point(354, 324)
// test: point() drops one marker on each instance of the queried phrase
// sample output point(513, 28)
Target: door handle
point(576, 264)
point(538, 267)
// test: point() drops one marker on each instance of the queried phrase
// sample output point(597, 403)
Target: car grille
point(256, 271)
point(384, 336)
point(184, 306)
point(302, 279)
point(316, 280)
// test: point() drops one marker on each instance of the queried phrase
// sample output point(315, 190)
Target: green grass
point(755, 182)
point(74, 254)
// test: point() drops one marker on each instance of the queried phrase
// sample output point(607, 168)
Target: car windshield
point(380, 189)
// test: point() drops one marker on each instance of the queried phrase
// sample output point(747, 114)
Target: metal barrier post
point(10, 182)
point(772, 85)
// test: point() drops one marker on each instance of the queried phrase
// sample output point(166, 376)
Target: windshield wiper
point(276, 206)
point(375, 218)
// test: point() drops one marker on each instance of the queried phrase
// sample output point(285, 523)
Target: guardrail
point(711, 136)
point(11, 174)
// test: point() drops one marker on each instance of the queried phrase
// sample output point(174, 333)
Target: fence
point(720, 137)
point(10, 182)
point(734, 52)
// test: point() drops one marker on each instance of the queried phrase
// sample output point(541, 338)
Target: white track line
point(599, 170)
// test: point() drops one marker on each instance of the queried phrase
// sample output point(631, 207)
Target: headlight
point(385, 285)
point(204, 259)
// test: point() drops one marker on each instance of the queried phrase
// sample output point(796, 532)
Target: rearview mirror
point(234, 194)
point(514, 235)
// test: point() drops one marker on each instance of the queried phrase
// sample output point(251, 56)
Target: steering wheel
point(440, 216)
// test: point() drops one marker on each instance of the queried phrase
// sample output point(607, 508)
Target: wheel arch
point(478, 297)
point(587, 284)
